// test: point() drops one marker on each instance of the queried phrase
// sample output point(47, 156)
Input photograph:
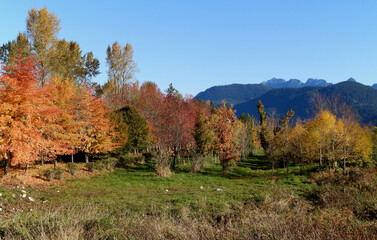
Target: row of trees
point(327, 139)
point(39, 123)
point(50, 107)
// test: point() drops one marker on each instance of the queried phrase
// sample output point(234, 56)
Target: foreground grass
point(248, 203)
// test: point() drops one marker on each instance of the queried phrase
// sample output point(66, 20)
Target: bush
point(72, 168)
point(128, 160)
point(109, 163)
point(48, 174)
point(58, 173)
point(162, 163)
point(91, 166)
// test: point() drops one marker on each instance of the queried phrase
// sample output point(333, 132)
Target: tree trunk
point(7, 166)
point(42, 159)
point(86, 158)
point(55, 163)
point(225, 165)
point(72, 159)
point(27, 168)
point(320, 156)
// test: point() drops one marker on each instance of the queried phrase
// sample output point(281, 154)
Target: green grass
point(137, 188)
point(253, 203)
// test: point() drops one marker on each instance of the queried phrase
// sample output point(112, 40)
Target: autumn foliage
point(41, 122)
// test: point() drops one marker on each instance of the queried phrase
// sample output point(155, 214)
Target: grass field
point(247, 203)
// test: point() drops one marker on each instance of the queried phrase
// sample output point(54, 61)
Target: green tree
point(137, 129)
point(203, 134)
point(69, 61)
point(9, 51)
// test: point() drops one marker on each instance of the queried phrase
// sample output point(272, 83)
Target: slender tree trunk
point(42, 159)
point(301, 161)
point(7, 166)
point(27, 168)
point(86, 158)
point(344, 161)
point(320, 156)
point(72, 158)
point(55, 163)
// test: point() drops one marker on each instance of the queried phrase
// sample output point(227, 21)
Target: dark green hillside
point(360, 97)
point(234, 93)
point(281, 100)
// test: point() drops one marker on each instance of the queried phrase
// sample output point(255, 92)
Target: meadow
point(247, 203)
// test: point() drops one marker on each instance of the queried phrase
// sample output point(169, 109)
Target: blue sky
point(199, 44)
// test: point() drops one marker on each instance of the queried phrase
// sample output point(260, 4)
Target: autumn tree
point(55, 56)
point(247, 134)
point(23, 111)
point(224, 124)
point(96, 131)
point(374, 139)
point(121, 68)
point(177, 123)
point(298, 143)
point(65, 133)
point(274, 135)
point(42, 28)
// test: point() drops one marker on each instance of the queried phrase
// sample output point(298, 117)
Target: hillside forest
point(52, 111)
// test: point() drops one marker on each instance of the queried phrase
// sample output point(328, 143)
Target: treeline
point(50, 107)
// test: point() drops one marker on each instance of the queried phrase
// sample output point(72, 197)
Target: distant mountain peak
point(351, 79)
point(295, 83)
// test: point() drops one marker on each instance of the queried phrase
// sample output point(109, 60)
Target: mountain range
point(279, 96)
point(295, 83)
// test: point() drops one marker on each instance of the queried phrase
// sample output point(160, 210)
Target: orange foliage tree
point(95, 129)
point(224, 124)
point(24, 109)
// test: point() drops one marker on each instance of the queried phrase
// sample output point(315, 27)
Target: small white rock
point(201, 187)
point(23, 195)
point(18, 186)
point(44, 201)
point(219, 189)
point(14, 195)
point(58, 191)
point(1, 194)
point(31, 199)
point(23, 191)
point(166, 190)
point(1, 209)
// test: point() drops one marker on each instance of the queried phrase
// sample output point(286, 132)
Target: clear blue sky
point(199, 44)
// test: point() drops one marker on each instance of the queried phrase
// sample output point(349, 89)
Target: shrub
point(162, 163)
point(48, 174)
point(58, 173)
point(197, 163)
point(91, 166)
point(72, 168)
point(109, 163)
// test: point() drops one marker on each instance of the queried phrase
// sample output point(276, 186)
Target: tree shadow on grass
point(255, 163)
